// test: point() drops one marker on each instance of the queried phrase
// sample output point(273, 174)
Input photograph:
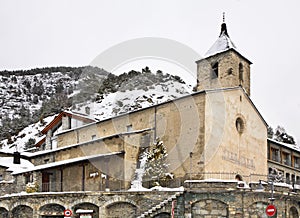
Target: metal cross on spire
point(223, 27)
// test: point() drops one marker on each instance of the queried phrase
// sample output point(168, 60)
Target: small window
point(296, 162)
point(271, 171)
point(1, 177)
point(238, 177)
point(94, 137)
point(215, 70)
point(28, 178)
point(275, 154)
point(287, 178)
point(241, 72)
point(240, 125)
point(229, 71)
point(129, 128)
point(46, 161)
point(293, 178)
point(286, 158)
point(298, 180)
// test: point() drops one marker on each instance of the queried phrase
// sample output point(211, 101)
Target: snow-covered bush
point(156, 167)
point(32, 187)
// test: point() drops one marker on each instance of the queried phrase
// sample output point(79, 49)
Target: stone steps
point(159, 206)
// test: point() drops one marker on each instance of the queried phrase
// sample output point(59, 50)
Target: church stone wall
point(109, 145)
point(122, 124)
point(179, 123)
point(67, 138)
point(138, 120)
point(242, 151)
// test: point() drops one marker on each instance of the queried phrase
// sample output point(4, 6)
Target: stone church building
point(218, 154)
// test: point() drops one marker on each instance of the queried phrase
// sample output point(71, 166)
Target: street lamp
point(260, 187)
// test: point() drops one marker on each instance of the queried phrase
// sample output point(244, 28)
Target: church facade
point(217, 146)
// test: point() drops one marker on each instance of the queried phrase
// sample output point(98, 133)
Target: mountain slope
point(29, 99)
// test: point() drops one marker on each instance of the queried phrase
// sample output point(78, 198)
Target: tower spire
point(223, 27)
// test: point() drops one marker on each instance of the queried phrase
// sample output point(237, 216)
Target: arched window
point(215, 70)
point(294, 212)
point(241, 72)
point(238, 177)
point(240, 125)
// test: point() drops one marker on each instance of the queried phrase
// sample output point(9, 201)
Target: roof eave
point(221, 52)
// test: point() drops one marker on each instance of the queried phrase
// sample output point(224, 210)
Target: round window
point(240, 125)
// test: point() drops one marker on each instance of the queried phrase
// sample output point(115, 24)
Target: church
point(219, 156)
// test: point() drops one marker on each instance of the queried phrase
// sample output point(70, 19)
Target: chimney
point(66, 122)
point(17, 158)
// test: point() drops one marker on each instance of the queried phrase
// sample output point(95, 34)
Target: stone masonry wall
point(228, 68)
point(200, 199)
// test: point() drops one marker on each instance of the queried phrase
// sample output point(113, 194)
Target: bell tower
point(223, 66)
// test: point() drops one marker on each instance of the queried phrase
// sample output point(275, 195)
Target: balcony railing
point(226, 176)
point(51, 187)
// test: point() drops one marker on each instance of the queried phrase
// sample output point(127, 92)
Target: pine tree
point(29, 144)
point(281, 136)
point(270, 132)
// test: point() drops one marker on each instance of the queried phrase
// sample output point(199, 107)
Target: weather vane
point(223, 17)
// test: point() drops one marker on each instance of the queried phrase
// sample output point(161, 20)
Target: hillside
point(28, 96)
point(31, 100)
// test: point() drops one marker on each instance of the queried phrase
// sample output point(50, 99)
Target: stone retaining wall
point(216, 200)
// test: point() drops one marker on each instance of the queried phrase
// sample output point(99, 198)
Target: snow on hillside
point(28, 91)
point(97, 95)
point(33, 131)
point(117, 103)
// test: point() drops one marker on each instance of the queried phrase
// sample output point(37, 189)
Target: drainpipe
point(285, 207)
point(191, 156)
point(243, 203)
point(61, 179)
point(77, 136)
point(155, 111)
point(83, 177)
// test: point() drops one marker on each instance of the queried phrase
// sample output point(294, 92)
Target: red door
point(45, 182)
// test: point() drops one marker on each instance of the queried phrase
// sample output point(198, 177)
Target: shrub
point(32, 187)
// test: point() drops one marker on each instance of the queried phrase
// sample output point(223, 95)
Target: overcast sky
point(72, 33)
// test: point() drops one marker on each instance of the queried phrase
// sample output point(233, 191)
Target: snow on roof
point(290, 146)
point(29, 154)
point(8, 163)
point(64, 162)
point(211, 180)
point(84, 211)
point(223, 43)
